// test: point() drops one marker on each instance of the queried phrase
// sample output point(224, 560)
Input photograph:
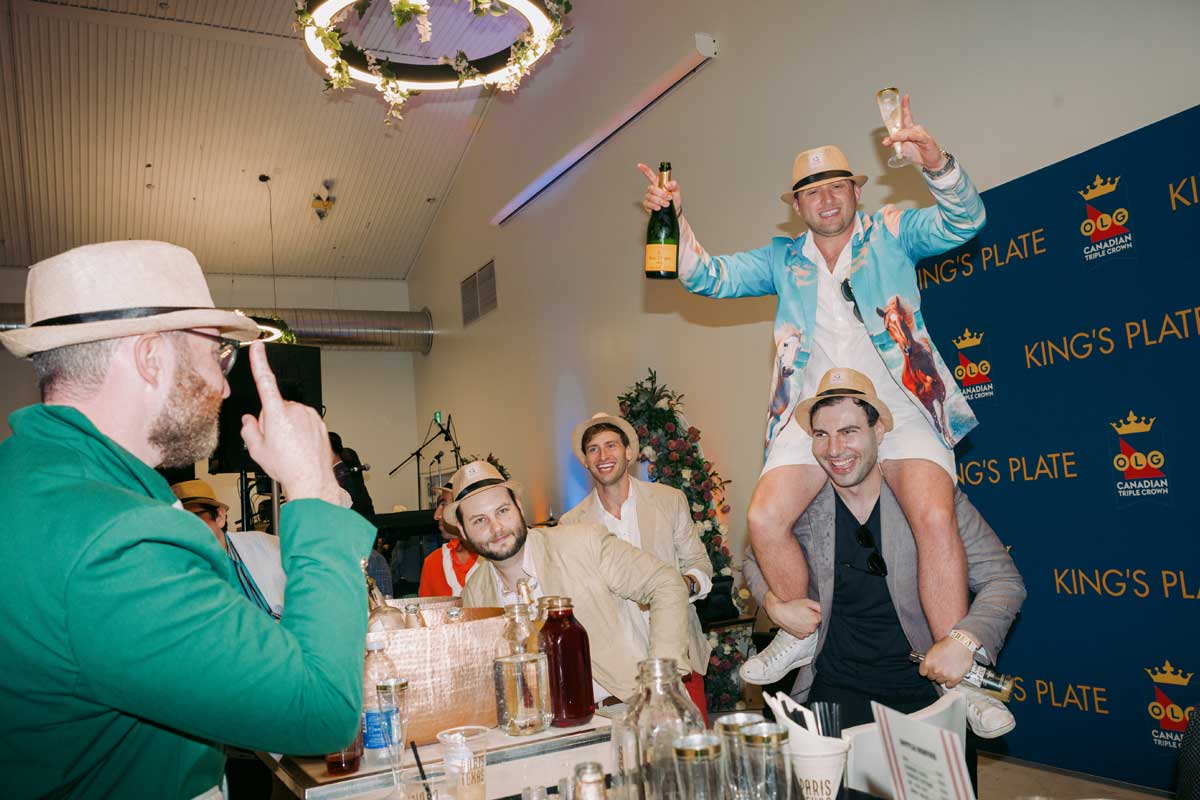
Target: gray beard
point(187, 428)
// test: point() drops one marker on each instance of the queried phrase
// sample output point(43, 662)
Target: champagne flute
point(888, 101)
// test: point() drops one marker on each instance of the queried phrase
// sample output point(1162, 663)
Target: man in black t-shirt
point(863, 559)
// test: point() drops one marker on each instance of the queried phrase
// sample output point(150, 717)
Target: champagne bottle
point(662, 236)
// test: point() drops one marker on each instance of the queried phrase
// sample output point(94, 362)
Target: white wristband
point(964, 640)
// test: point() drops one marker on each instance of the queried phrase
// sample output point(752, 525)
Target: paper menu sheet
point(926, 762)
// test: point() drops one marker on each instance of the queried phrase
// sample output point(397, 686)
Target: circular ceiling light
point(493, 69)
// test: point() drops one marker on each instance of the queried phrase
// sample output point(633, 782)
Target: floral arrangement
point(522, 55)
point(723, 684)
point(671, 449)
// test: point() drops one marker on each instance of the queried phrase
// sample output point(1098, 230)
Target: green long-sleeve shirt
point(128, 650)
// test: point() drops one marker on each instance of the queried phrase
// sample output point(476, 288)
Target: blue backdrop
point(1074, 322)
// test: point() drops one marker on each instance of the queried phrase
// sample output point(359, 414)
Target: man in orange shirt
point(446, 569)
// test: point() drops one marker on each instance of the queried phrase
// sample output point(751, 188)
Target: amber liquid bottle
point(662, 236)
point(569, 658)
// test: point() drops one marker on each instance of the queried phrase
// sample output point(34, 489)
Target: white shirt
point(260, 553)
point(840, 340)
point(626, 529)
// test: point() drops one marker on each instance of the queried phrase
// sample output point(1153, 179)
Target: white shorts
point(912, 437)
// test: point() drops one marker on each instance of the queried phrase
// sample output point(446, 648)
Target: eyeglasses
point(848, 296)
point(227, 355)
point(875, 563)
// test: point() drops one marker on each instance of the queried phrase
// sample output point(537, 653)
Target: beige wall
point(369, 395)
point(1007, 86)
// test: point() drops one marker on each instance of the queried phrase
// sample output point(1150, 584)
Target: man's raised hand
point(915, 142)
point(657, 198)
point(287, 439)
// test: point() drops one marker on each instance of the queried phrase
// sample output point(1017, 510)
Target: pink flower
point(712, 513)
point(670, 444)
point(724, 550)
point(674, 456)
point(707, 495)
point(716, 540)
point(642, 430)
point(668, 472)
point(669, 427)
point(696, 515)
point(707, 483)
point(725, 509)
point(655, 441)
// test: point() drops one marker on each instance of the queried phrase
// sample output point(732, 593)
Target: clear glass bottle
point(661, 712)
point(569, 658)
point(589, 782)
point(521, 676)
point(412, 616)
point(981, 677)
point(380, 615)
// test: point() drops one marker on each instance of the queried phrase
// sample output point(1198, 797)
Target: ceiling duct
point(334, 329)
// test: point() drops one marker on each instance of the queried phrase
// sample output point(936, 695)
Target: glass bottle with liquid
point(521, 676)
point(979, 676)
point(412, 616)
point(569, 658)
point(662, 235)
point(589, 782)
point(380, 615)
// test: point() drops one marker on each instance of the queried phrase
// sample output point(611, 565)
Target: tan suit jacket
point(596, 570)
point(665, 527)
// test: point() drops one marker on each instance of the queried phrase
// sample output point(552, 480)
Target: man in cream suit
point(650, 516)
point(598, 571)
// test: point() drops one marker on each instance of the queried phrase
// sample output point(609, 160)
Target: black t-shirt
point(865, 648)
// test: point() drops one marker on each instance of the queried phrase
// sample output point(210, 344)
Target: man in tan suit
point(649, 516)
point(598, 571)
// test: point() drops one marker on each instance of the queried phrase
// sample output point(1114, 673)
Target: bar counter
point(513, 762)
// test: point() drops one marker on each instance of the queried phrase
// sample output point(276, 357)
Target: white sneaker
point(986, 715)
point(783, 654)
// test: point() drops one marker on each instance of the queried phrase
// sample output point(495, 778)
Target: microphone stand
point(417, 455)
point(453, 440)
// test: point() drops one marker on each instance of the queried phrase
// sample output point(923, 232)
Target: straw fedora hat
point(198, 493)
point(817, 167)
point(114, 289)
point(843, 382)
point(631, 452)
point(471, 479)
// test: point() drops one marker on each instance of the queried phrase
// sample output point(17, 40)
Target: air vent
point(479, 293)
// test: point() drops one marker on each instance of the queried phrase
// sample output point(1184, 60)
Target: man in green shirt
point(130, 653)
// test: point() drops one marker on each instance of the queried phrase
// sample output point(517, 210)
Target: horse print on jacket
point(920, 373)
point(789, 360)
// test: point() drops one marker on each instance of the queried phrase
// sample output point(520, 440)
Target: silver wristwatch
point(945, 170)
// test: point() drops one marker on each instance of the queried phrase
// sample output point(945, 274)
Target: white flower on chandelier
point(322, 37)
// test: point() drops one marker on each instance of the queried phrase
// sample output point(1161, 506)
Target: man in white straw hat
point(651, 516)
point(131, 654)
point(586, 563)
point(848, 295)
point(863, 559)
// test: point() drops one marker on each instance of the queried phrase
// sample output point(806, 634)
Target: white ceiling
point(153, 120)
